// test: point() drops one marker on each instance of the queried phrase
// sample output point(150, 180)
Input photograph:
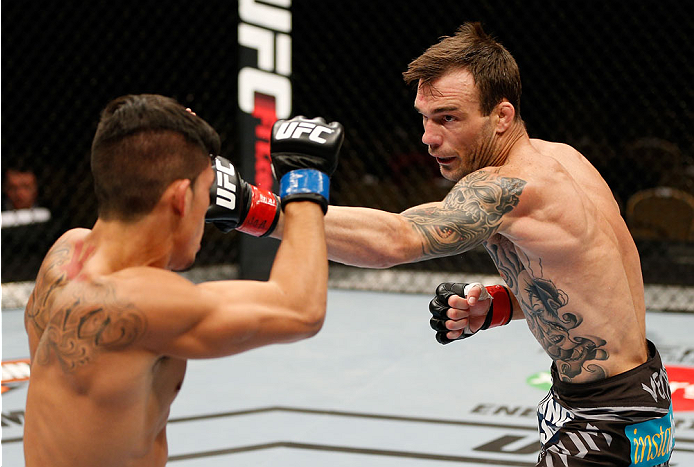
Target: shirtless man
point(553, 228)
point(111, 326)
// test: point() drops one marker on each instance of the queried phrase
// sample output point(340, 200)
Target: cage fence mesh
point(614, 79)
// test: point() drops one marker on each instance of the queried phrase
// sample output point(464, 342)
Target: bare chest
point(562, 328)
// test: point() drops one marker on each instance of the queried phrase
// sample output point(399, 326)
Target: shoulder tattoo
point(75, 328)
point(469, 215)
point(50, 279)
point(90, 322)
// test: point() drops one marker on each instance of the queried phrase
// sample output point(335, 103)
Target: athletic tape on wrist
point(305, 181)
point(501, 309)
point(263, 213)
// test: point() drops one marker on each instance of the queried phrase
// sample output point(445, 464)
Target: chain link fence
point(615, 79)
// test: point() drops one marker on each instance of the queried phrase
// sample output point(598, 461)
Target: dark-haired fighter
point(111, 326)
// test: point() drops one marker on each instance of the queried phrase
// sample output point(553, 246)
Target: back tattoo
point(74, 328)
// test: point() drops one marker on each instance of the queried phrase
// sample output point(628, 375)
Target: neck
point(121, 245)
point(507, 141)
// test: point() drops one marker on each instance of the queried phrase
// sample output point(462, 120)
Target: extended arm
point(469, 215)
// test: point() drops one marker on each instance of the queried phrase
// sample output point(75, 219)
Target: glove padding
point(237, 204)
point(439, 307)
point(304, 155)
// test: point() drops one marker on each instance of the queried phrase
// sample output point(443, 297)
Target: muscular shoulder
point(547, 168)
point(550, 147)
point(570, 173)
point(51, 278)
point(549, 188)
point(150, 288)
point(73, 235)
point(490, 187)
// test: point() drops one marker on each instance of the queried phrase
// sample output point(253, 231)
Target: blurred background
point(615, 79)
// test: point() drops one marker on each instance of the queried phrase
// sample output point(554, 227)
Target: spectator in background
point(27, 228)
point(20, 188)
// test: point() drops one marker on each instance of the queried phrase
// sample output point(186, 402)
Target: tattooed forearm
point(469, 215)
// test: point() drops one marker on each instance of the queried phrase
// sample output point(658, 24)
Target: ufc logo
point(265, 29)
point(226, 189)
point(295, 130)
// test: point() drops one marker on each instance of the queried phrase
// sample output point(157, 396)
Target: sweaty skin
point(111, 328)
point(544, 214)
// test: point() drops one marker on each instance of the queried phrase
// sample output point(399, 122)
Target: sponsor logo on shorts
point(14, 372)
point(658, 386)
point(651, 441)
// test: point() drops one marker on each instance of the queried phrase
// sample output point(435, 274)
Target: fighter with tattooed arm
point(552, 227)
point(111, 327)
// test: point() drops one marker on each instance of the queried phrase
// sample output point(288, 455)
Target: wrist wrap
point(305, 185)
point(263, 213)
point(501, 310)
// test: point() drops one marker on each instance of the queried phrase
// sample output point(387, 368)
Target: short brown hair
point(492, 67)
point(144, 143)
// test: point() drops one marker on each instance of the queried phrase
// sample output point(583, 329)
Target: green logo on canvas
point(541, 380)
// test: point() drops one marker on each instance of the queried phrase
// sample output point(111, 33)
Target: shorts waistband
point(625, 387)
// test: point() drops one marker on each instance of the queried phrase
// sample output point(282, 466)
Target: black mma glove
point(304, 156)
point(236, 204)
point(499, 314)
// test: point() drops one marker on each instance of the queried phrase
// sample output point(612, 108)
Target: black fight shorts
point(625, 420)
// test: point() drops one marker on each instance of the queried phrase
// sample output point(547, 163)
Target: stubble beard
point(481, 155)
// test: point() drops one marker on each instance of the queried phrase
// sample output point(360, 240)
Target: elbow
point(318, 318)
point(401, 245)
point(311, 319)
point(313, 329)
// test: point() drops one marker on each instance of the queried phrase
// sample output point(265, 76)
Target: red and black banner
point(264, 95)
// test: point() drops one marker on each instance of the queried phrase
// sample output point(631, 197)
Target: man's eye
point(448, 118)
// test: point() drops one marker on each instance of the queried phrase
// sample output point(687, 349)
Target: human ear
point(179, 196)
point(505, 113)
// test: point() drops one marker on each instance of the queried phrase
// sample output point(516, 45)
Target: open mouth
point(444, 160)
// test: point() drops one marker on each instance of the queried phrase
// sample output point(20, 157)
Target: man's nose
point(431, 136)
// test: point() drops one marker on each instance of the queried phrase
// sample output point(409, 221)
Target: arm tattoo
point(470, 214)
point(542, 302)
